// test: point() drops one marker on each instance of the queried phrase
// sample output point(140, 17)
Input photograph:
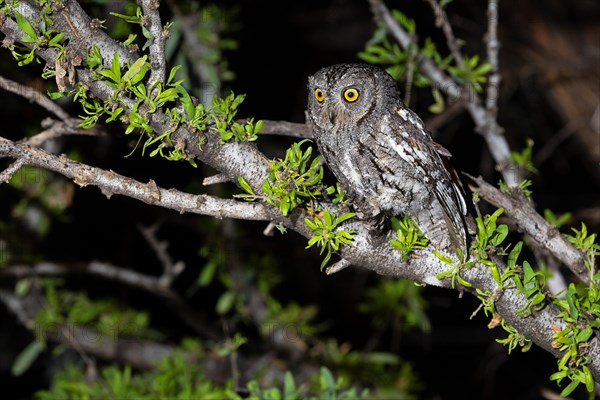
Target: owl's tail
point(446, 232)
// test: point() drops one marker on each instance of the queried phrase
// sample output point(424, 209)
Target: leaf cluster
point(408, 237)
point(46, 39)
point(402, 63)
point(176, 377)
point(397, 302)
point(68, 309)
point(294, 180)
point(327, 233)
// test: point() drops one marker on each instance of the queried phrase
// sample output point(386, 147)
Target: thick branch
point(374, 253)
point(112, 183)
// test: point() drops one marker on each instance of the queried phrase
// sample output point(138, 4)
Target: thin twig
point(12, 169)
point(215, 179)
point(147, 283)
point(157, 46)
point(441, 21)
point(493, 47)
point(206, 73)
point(56, 129)
point(338, 266)
point(34, 96)
point(171, 269)
point(285, 128)
point(552, 144)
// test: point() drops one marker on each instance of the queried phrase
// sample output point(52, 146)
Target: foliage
point(77, 309)
point(326, 233)
point(47, 39)
point(489, 235)
point(402, 63)
point(521, 188)
point(66, 309)
point(398, 303)
point(455, 269)
point(580, 311)
point(587, 244)
point(175, 377)
point(557, 221)
point(524, 158)
point(294, 180)
point(130, 86)
point(514, 339)
point(408, 237)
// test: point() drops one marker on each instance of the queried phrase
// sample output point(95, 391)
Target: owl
point(382, 155)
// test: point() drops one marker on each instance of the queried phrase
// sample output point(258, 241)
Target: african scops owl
point(380, 152)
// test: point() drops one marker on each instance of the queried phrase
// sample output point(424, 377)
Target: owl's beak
point(332, 117)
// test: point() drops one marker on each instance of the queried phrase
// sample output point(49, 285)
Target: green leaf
point(588, 379)
point(25, 27)
point(514, 255)
point(443, 258)
point(258, 126)
point(225, 302)
point(344, 217)
point(584, 335)
point(439, 104)
point(289, 387)
point(569, 389)
point(56, 39)
point(137, 71)
point(207, 274)
point(245, 185)
point(27, 357)
point(327, 385)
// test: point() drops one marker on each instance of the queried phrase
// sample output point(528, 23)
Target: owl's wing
point(443, 211)
point(448, 194)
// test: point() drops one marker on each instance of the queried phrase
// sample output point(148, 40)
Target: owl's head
point(342, 95)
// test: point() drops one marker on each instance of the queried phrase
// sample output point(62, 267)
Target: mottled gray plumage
point(381, 153)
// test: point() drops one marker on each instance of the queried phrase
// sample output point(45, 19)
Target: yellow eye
point(319, 95)
point(351, 95)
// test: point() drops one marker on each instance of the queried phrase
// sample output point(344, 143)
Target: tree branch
point(171, 269)
point(441, 21)
point(12, 169)
point(157, 45)
point(147, 283)
point(532, 223)
point(285, 128)
point(111, 183)
point(34, 96)
point(493, 46)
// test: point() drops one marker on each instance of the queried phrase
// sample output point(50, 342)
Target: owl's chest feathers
point(375, 171)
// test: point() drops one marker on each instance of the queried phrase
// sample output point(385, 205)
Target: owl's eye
point(319, 95)
point(351, 95)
